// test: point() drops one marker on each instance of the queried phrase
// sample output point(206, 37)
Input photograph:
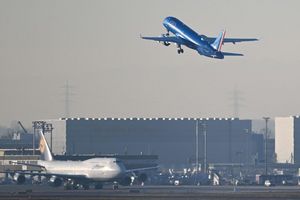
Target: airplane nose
point(120, 170)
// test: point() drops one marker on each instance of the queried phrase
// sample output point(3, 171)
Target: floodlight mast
point(266, 144)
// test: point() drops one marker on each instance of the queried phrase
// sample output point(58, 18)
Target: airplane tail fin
point(217, 44)
point(44, 148)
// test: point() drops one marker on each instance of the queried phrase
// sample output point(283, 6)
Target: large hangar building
point(287, 139)
point(172, 139)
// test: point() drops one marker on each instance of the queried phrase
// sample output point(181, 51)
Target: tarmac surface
point(151, 192)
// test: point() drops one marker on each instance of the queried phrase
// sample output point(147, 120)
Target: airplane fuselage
point(95, 169)
point(183, 35)
point(190, 38)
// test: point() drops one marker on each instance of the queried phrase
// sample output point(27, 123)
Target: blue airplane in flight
point(184, 35)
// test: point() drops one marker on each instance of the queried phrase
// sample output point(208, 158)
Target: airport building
point(287, 139)
point(17, 141)
point(172, 139)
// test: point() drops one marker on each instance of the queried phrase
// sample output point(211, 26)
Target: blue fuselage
point(190, 38)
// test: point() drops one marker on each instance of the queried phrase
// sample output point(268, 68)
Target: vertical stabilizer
point(217, 44)
point(44, 148)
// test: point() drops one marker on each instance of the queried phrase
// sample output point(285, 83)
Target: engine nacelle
point(142, 178)
point(19, 178)
point(55, 181)
point(125, 181)
point(167, 43)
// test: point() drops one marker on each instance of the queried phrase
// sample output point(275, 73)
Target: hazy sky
point(95, 46)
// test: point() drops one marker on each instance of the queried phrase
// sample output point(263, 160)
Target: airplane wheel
point(76, 187)
point(115, 186)
point(68, 186)
point(179, 51)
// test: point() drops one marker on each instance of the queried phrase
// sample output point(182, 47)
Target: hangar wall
point(172, 139)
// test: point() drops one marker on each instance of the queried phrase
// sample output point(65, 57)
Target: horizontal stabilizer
point(235, 40)
point(231, 40)
point(232, 54)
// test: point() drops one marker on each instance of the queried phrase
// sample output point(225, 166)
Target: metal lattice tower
point(237, 100)
point(67, 93)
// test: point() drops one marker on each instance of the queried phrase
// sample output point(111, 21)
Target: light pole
point(247, 146)
point(205, 146)
point(197, 146)
point(266, 145)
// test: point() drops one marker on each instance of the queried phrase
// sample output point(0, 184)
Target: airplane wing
point(29, 164)
point(231, 54)
point(43, 172)
point(232, 40)
point(140, 169)
point(164, 39)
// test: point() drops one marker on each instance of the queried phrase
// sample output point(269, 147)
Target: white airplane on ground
point(79, 173)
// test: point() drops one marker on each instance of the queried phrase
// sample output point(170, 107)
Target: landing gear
point(68, 185)
point(115, 186)
point(166, 35)
point(179, 51)
point(71, 185)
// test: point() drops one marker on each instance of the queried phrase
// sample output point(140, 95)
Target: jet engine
point(55, 181)
point(165, 43)
point(19, 178)
point(125, 181)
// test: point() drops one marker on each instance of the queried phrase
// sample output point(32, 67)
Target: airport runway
point(151, 192)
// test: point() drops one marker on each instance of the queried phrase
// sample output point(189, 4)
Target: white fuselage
point(96, 169)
